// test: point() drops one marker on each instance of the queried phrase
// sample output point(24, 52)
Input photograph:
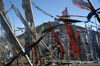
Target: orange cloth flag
point(82, 4)
point(36, 60)
point(71, 54)
point(71, 35)
point(35, 53)
point(78, 40)
point(72, 39)
point(57, 40)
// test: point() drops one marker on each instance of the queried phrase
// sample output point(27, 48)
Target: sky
point(52, 7)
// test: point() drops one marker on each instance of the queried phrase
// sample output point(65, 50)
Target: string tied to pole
point(8, 10)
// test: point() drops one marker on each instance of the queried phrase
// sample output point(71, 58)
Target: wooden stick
point(35, 34)
point(21, 61)
point(94, 9)
point(7, 15)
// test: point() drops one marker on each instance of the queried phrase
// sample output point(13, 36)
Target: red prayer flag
point(82, 4)
point(72, 39)
point(57, 40)
point(78, 40)
point(71, 54)
point(35, 53)
point(65, 12)
point(36, 60)
point(71, 35)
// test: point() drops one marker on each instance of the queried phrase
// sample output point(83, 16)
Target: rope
point(41, 10)
point(8, 10)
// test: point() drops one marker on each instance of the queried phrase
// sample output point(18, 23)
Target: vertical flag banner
point(78, 40)
point(73, 42)
point(27, 9)
point(83, 38)
point(72, 39)
point(90, 39)
point(82, 4)
point(57, 40)
point(96, 46)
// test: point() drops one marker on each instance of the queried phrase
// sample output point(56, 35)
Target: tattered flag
point(82, 4)
point(27, 9)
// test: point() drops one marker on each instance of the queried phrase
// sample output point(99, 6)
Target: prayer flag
point(28, 10)
point(65, 12)
point(90, 39)
point(78, 40)
point(71, 35)
point(57, 40)
point(82, 4)
point(72, 39)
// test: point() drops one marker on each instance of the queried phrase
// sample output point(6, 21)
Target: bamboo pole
point(8, 16)
point(94, 9)
point(35, 33)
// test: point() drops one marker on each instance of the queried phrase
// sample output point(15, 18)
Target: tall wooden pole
point(21, 60)
point(98, 18)
point(8, 16)
point(35, 34)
